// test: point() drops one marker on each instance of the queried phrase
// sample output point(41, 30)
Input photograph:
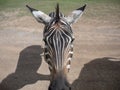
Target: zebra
point(58, 38)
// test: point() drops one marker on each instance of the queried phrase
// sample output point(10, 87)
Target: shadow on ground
point(99, 74)
point(26, 71)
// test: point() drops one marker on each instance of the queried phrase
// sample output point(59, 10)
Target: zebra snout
point(52, 88)
point(59, 84)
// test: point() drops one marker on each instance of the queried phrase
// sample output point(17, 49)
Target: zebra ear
point(39, 15)
point(75, 15)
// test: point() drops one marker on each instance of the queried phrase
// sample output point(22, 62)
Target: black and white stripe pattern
point(58, 36)
point(58, 40)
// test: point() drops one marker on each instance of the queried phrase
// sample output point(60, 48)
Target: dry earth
point(95, 66)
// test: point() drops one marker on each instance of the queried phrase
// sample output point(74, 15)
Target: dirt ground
point(95, 66)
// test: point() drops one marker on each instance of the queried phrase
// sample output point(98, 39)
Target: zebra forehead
point(52, 14)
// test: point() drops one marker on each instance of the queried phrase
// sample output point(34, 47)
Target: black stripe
point(82, 8)
point(31, 9)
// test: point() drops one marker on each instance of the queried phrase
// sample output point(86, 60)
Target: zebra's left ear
point(75, 15)
point(39, 15)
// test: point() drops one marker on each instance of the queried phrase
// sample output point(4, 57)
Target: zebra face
point(58, 38)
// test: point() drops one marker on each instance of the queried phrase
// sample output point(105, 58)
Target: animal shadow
point(99, 74)
point(26, 71)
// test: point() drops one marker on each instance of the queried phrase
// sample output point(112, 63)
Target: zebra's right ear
point(39, 15)
point(75, 15)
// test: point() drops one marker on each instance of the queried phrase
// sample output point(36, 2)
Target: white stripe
point(69, 59)
point(70, 52)
point(68, 67)
point(46, 53)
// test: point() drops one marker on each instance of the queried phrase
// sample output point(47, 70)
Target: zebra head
point(58, 38)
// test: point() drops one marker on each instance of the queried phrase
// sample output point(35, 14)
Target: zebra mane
point(57, 17)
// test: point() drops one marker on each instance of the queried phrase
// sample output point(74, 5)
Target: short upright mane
point(57, 17)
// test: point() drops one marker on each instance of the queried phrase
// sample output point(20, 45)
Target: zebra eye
point(72, 40)
point(44, 40)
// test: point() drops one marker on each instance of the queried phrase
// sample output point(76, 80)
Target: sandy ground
point(95, 66)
